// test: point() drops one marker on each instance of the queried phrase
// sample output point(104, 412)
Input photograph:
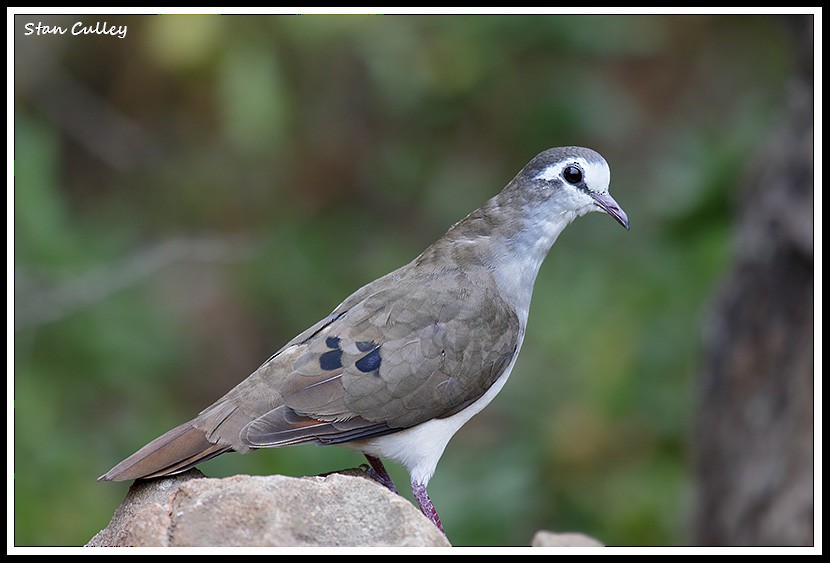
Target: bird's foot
point(419, 490)
point(378, 472)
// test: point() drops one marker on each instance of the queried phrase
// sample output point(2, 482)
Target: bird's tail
point(173, 452)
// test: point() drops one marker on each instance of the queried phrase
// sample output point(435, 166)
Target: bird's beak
point(607, 204)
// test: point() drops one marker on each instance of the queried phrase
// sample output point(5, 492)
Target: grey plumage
point(441, 347)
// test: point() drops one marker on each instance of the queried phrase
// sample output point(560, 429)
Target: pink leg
point(420, 492)
point(378, 473)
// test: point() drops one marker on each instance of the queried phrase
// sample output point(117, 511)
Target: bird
point(402, 363)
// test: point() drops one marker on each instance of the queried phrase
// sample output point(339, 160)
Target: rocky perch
point(340, 509)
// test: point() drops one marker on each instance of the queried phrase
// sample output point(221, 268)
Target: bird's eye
point(572, 174)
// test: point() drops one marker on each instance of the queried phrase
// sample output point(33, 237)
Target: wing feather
point(382, 367)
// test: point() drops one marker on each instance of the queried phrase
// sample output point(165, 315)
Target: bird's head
point(571, 180)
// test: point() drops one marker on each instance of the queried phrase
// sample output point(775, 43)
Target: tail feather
point(173, 452)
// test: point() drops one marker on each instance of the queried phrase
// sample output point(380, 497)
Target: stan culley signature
point(78, 28)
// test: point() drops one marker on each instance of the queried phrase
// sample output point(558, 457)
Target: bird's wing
point(401, 355)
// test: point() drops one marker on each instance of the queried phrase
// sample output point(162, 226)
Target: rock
point(333, 510)
point(544, 538)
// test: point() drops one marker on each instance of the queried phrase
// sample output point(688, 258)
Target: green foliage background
point(188, 198)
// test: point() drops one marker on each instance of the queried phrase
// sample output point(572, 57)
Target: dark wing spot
point(369, 362)
point(331, 360)
point(364, 345)
point(333, 342)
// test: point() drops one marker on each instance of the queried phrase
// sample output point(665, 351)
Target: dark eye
point(572, 174)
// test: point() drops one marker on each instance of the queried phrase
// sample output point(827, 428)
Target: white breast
point(420, 447)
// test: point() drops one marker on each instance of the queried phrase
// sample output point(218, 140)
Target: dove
point(405, 361)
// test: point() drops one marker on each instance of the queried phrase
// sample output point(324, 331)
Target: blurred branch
point(91, 120)
point(35, 307)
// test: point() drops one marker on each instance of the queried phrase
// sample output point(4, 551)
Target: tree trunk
point(753, 444)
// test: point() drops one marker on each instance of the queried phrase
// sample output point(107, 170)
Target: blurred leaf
point(42, 234)
point(183, 42)
point(254, 98)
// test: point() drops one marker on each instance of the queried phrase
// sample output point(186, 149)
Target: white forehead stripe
point(597, 174)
